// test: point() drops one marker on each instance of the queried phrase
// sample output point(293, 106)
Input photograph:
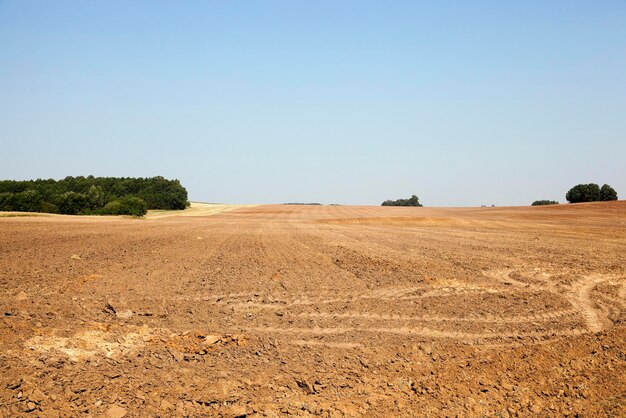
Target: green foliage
point(48, 207)
point(96, 197)
point(72, 203)
point(544, 202)
point(133, 206)
point(412, 201)
point(24, 201)
point(114, 207)
point(128, 205)
point(28, 201)
point(590, 193)
point(88, 195)
point(7, 201)
point(607, 193)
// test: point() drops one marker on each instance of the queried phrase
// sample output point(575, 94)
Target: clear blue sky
point(353, 102)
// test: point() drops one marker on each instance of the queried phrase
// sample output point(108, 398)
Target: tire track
point(595, 318)
point(548, 316)
point(394, 294)
point(420, 332)
point(578, 295)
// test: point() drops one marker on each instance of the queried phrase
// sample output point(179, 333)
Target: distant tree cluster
point(92, 195)
point(412, 201)
point(544, 202)
point(590, 193)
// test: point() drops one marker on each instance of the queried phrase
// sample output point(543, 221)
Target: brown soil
point(316, 310)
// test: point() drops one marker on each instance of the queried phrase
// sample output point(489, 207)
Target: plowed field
point(316, 310)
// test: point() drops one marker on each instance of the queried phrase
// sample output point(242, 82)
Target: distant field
point(196, 209)
point(20, 214)
point(316, 310)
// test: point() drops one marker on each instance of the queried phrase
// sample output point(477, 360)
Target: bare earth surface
point(316, 310)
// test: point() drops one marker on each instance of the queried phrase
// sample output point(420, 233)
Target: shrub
point(114, 207)
point(544, 202)
point(133, 206)
point(128, 205)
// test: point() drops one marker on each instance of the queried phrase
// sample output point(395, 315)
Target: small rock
point(37, 396)
point(240, 339)
point(178, 357)
point(306, 386)
point(536, 408)
point(166, 405)
point(238, 411)
point(212, 339)
point(15, 385)
point(30, 406)
point(115, 412)
point(126, 314)
point(478, 409)
point(75, 257)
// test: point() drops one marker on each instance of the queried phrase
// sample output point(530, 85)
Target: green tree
point(48, 207)
point(133, 206)
point(7, 201)
point(96, 197)
point(583, 193)
point(72, 203)
point(607, 193)
point(28, 201)
point(114, 207)
point(128, 205)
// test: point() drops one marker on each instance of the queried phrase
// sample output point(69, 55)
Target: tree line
point(92, 195)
